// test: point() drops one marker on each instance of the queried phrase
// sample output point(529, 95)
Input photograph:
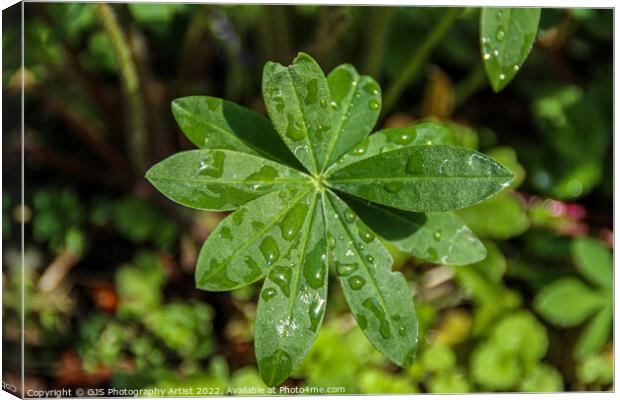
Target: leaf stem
point(136, 122)
point(418, 57)
point(380, 23)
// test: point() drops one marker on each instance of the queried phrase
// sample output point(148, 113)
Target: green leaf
point(567, 302)
point(296, 98)
point(593, 261)
point(423, 178)
point(422, 133)
point(250, 241)
point(356, 101)
point(433, 237)
point(542, 378)
point(501, 217)
point(493, 367)
point(520, 333)
point(380, 299)
point(506, 38)
point(292, 302)
point(212, 123)
point(595, 334)
point(220, 180)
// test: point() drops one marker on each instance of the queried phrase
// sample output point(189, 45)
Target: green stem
point(472, 84)
point(380, 23)
point(137, 131)
point(417, 58)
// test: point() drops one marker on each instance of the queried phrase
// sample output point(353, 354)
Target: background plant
point(77, 138)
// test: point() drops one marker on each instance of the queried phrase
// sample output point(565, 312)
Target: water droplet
point(365, 234)
point(515, 67)
point(437, 235)
point(362, 322)
point(414, 166)
point(237, 216)
point(281, 276)
point(500, 35)
point(360, 149)
point(393, 187)
point(429, 143)
point(314, 267)
point(346, 269)
point(499, 14)
point(502, 77)
point(292, 222)
point(373, 305)
point(294, 129)
point(373, 104)
point(333, 105)
point(254, 270)
point(212, 165)
point(257, 225)
point(356, 282)
point(315, 312)
point(349, 216)
point(486, 56)
point(268, 294)
point(370, 259)
point(402, 331)
point(400, 136)
point(225, 233)
point(323, 103)
point(496, 52)
point(261, 179)
point(312, 91)
point(270, 250)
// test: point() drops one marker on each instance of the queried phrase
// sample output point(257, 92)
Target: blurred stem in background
point(474, 82)
point(380, 23)
point(137, 133)
point(407, 74)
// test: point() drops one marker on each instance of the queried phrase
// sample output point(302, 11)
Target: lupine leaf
point(292, 302)
point(422, 133)
point(220, 180)
point(249, 242)
point(380, 299)
point(423, 178)
point(212, 123)
point(593, 261)
point(506, 38)
point(434, 237)
point(297, 99)
point(356, 101)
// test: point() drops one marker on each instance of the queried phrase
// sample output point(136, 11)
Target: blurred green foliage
point(552, 126)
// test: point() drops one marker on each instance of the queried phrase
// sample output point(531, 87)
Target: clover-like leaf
point(292, 302)
point(212, 123)
point(423, 178)
point(595, 334)
point(380, 300)
point(567, 302)
point(506, 37)
point(220, 180)
point(593, 261)
point(296, 98)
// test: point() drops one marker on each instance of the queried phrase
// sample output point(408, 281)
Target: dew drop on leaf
point(373, 305)
point(500, 35)
point(292, 222)
point(356, 282)
point(349, 216)
point(393, 187)
point(294, 129)
point(365, 234)
point(315, 311)
point(281, 276)
point(212, 165)
point(373, 104)
point(262, 179)
point(269, 249)
point(370, 259)
point(346, 269)
point(414, 166)
point(268, 294)
point(311, 91)
point(437, 235)
point(225, 233)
